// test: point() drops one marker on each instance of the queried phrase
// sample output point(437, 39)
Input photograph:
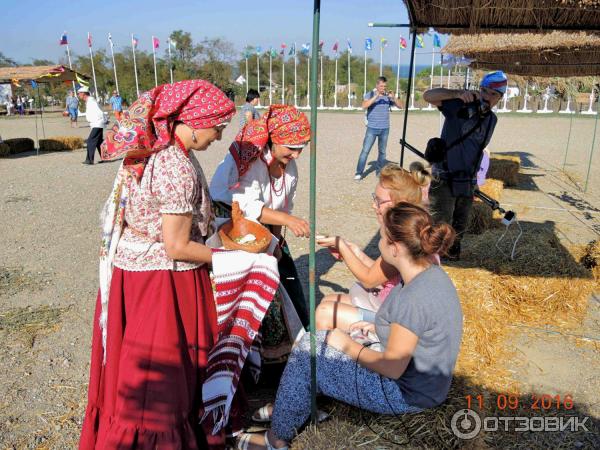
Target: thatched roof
point(478, 16)
point(40, 74)
point(558, 54)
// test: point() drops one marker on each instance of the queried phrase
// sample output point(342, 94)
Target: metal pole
point(336, 79)
point(283, 77)
point(349, 105)
point(154, 56)
point(37, 138)
point(587, 177)
point(93, 73)
point(247, 87)
point(137, 86)
point(380, 58)
point(295, 77)
point(270, 76)
point(309, 88)
point(313, 210)
point(170, 60)
point(321, 91)
point(365, 80)
point(112, 52)
point(258, 75)
point(568, 142)
point(398, 69)
point(71, 67)
point(412, 63)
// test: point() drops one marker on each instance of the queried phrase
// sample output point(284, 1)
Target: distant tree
point(5, 61)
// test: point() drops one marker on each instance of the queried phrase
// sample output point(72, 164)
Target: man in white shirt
point(95, 117)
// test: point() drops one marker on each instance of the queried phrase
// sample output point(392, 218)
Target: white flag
point(110, 40)
point(240, 80)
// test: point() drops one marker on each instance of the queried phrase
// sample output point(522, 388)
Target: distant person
point(72, 105)
point(20, 106)
point(95, 117)
point(468, 128)
point(9, 106)
point(377, 103)
point(116, 101)
point(249, 111)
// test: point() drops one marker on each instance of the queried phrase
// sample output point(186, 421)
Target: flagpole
point(412, 93)
point(336, 83)
point(349, 105)
point(247, 87)
point(154, 57)
point(112, 53)
point(429, 106)
point(295, 77)
point(398, 69)
point(308, 82)
point(270, 77)
point(258, 75)
point(449, 72)
point(283, 77)
point(170, 61)
point(365, 77)
point(321, 93)
point(93, 70)
point(137, 86)
point(380, 58)
point(70, 65)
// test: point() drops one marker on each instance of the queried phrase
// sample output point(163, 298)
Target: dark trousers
point(445, 207)
point(93, 143)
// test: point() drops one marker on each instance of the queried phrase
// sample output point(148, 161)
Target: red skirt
point(161, 326)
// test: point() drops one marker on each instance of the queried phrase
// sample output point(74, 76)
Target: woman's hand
point(332, 243)
point(298, 226)
point(339, 340)
point(363, 326)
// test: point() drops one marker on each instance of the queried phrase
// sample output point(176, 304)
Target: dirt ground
point(49, 208)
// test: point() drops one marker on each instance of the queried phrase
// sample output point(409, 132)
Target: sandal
point(244, 441)
point(262, 414)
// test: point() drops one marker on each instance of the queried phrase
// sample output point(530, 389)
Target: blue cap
point(495, 80)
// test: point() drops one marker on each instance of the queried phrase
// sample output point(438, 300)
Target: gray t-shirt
point(247, 108)
point(378, 114)
point(429, 307)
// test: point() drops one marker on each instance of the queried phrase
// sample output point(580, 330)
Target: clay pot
point(238, 227)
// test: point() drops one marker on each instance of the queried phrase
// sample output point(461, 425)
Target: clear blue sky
point(31, 29)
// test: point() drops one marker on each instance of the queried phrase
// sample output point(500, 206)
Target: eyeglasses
point(379, 202)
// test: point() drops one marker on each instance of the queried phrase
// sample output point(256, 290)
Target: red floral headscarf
point(282, 124)
point(146, 127)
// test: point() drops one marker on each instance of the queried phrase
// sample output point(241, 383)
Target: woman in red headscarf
point(260, 173)
point(155, 318)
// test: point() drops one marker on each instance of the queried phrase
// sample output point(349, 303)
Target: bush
point(20, 145)
point(4, 150)
point(59, 143)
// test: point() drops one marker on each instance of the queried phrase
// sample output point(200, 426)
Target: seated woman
point(260, 173)
point(364, 299)
point(419, 331)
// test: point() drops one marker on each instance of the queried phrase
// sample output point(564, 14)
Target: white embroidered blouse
point(172, 183)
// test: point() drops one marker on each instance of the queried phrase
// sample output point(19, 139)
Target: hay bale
point(482, 217)
point(505, 168)
point(59, 143)
point(20, 145)
point(590, 258)
point(4, 150)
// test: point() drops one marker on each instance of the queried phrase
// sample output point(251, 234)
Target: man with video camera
point(456, 155)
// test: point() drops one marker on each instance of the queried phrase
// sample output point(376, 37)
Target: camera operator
point(468, 127)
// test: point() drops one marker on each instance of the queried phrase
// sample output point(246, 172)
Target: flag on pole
point(273, 53)
point(436, 40)
point(283, 47)
point(403, 43)
point(63, 39)
point(335, 47)
point(173, 43)
point(134, 41)
point(383, 42)
point(89, 40)
point(368, 44)
point(349, 45)
point(321, 44)
point(305, 48)
point(420, 43)
point(258, 50)
point(110, 40)
point(247, 52)
point(155, 42)
point(292, 51)
point(33, 84)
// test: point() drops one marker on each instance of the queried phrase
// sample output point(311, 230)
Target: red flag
point(335, 47)
point(403, 43)
point(89, 40)
point(155, 42)
point(63, 39)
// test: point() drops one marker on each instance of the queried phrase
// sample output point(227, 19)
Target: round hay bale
point(60, 143)
point(505, 168)
point(20, 145)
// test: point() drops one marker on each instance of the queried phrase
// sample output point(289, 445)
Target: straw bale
point(20, 145)
point(59, 143)
point(505, 168)
point(4, 150)
point(482, 217)
point(590, 258)
point(536, 16)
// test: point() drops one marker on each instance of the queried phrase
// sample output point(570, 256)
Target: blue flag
point(305, 48)
point(368, 44)
point(33, 84)
point(349, 45)
point(436, 40)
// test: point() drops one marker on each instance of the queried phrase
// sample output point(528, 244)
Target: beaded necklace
point(181, 146)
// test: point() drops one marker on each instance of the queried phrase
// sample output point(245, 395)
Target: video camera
point(477, 108)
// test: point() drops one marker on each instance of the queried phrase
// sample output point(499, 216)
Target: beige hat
point(83, 90)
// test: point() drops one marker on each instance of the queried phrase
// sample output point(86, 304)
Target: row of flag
point(134, 41)
point(305, 48)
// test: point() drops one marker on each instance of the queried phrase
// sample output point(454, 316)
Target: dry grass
point(59, 143)
point(495, 298)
